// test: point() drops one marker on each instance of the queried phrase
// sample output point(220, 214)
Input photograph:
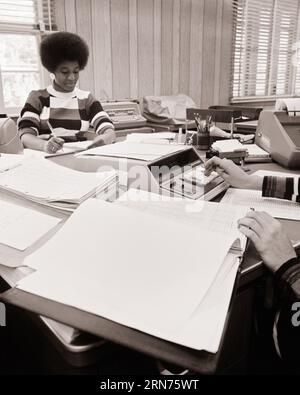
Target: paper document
point(229, 145)
point(215, 217)
point(256, 153)
point(14, 274)
point(292, 105)
point(46, 182)
point(20, 227)
point(125, 149)
point(278, 208)
point(162, 271)
point(10, 161)
point(71, 148)
point(262, 173)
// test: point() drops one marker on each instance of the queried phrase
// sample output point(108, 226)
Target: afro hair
point(63, 46)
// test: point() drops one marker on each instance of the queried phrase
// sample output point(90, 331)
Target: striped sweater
point(287, 278)
point(77, 110)
point(282, 188)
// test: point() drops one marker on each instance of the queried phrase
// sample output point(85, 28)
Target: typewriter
point(124, 114)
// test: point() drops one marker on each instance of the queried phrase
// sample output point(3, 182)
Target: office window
point(266, 49)
point(22, 24)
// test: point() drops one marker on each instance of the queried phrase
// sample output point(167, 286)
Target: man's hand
point(232, 174)
point(269, 238)
point(53, 145)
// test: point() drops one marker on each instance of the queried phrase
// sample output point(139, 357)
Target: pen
point(51, 129)
point(248, 240)
point(53, 134)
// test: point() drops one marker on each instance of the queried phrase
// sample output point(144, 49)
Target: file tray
point(181, 174)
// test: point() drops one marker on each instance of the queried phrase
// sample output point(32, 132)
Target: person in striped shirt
point(62, 104)
point(275, 248)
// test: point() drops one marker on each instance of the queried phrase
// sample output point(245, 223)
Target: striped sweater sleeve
point(29, 120)
point(98, 118)
point(287, 280)
point(282, 188)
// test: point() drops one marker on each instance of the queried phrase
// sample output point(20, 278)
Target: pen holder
point(203, 137)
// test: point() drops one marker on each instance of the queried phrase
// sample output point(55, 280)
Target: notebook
point(165, 278)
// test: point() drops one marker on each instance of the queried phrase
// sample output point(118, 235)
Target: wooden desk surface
point(198, 361)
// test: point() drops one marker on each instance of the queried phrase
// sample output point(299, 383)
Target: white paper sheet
point(212, 216)
point(153, 281)
point(21, 227)
point(292, 105)
point(125, 149)
point(262, 173)
point(255, 151)
point(68, 148)
point(278, 208)
point(10, 161)
point(14, 274)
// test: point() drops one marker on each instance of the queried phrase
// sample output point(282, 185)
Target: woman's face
point(66, 76)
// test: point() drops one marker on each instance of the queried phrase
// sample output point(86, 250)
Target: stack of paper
point(165, 278)
point(132, 150)
point(257, 154)
point(229, 145)
point(20, 227)
point(47, 183)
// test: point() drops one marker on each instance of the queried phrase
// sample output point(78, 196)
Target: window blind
point(37, 14)
point(264, 61)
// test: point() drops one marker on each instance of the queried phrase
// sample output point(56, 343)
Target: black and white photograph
point(149, 191)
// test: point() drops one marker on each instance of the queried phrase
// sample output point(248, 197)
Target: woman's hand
point(233, 174)
point(108, 137)
point(269, 238)
point(53, 145)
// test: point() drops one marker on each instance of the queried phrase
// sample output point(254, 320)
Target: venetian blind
point(264, 51)
point(35, 14)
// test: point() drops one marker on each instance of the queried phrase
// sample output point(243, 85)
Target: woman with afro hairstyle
point(62, 104)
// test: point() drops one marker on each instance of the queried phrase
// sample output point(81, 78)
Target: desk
point(234, 348)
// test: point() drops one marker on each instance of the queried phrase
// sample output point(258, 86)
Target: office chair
point(246, 113)
point(10, 142)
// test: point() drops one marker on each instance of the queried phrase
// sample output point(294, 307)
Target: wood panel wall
point(153, 47)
